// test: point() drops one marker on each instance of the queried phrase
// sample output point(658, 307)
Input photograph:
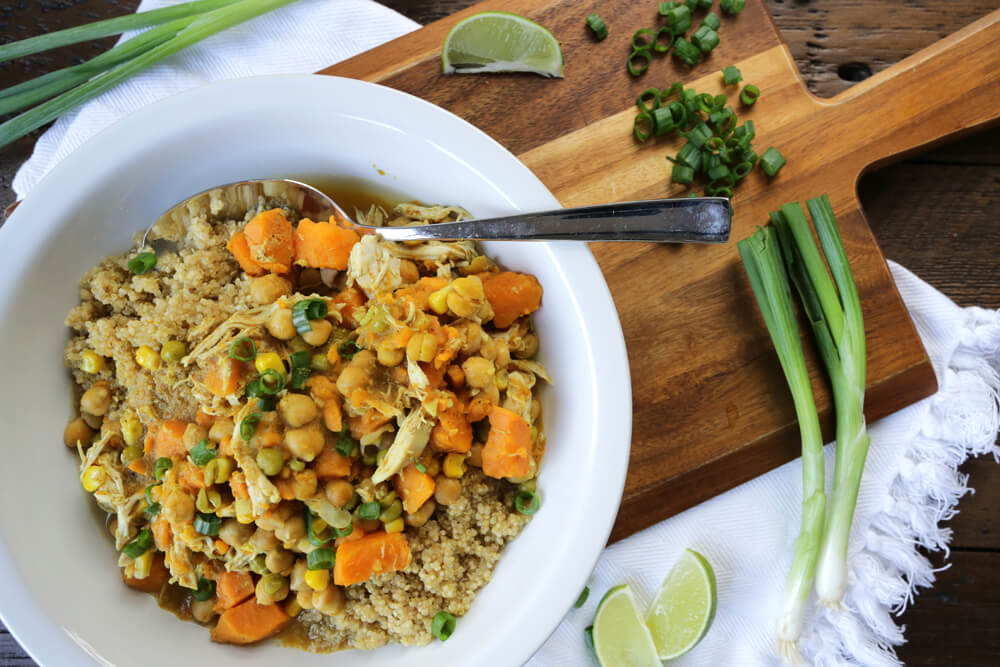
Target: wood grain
point(709, 408)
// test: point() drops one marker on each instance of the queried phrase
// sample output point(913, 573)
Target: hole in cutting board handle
point(854, 71)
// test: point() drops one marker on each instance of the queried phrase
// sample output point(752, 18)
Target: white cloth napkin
point(911, 482)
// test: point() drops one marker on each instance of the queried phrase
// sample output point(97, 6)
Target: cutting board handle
point(946, 89)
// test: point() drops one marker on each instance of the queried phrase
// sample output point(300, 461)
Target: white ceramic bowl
point(62, 595)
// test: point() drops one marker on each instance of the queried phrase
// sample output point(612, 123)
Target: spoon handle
point(692, 220)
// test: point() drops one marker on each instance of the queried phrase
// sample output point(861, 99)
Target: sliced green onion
point(634, 67)
point(749, 95)
point(683, 174)
point(140, 545)
point(772, 161)
point(719, 172)
point(596, 25)
point(443, 625)
point(643, 119)
point(731, 75)
point(526, 502)
point(580, 601)
point(663, 122)
point(712, 21)
point(248, 425)
point(308, 309)
point(722, 191)
point(699, 135)
point(322, 558)
point(639, 42)
point(679, 20)
point(202, 453)
point(162, 465)
point(265, 404)
point(732, 7)
point(243, 349)
point(663, 46)
point(205, 590)
point(588, 638)
point(152, 508)
point(690, 155)
point(345, 445)
point(369, 510)
point(741, 170)
point(343, 532)
point(648, 95)
point(348, 349)
point(207, 524)
point(271, 382)
point(705, 4)
point(687, 52)
point(142, 262)
point(665, 7)
point(420, 467)
point(311, 535)
point(705, 39)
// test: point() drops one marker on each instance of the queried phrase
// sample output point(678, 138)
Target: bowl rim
point(27, 621)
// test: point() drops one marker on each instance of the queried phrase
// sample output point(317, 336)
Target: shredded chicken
point(410, 441)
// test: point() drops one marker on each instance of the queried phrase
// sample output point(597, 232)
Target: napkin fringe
point(885, 573)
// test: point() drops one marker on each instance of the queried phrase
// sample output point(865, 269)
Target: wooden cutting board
point(710, 406)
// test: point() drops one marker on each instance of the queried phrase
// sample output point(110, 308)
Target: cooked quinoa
point(304, 431)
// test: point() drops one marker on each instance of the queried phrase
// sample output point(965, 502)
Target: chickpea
point(475, 457)
point(267, 289)
point(93, 421)
point(535, 411)
point(503, 354)
point(466, 296)
point(351, 378)
point(276, 518)
point(203, 611)
point(422, 347)
point(488, 348)
point(339, 492)
point(297, 580)
point(77, 430)
point(234, 533)
point(293, 528)
point(271, 588)
point(447, 490)
point(304, 484)
point(369, 525)
point(96, 400)
point(178, 507)
point(194, 434)
point(456, 376)
point(330, 600)
point(297, 409)
point(422, 515)
point(264, 540)
point(280, 560)
point(305, 598)
point(320, 333)
point(221, 429)
point(390, 356)
point(280, 325)
point(305, 443)
point(479, 372)
point(408, 271)
point(529, 347)
point(472, 335)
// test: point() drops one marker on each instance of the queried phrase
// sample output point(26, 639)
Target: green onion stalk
point(764, 267)
point(842, 346)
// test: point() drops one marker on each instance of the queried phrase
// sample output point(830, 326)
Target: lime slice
point(501, 42)
point(684, 607)
point(621, 639)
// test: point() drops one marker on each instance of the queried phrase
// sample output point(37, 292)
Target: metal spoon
point(691, 220)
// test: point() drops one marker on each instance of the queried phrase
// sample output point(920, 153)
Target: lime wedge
point(621, 639)
point(501, 42)
point(684, 607)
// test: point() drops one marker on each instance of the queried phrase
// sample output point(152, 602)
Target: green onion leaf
point(683, 174)
point(369, 510)
point(649, 95)
point(271, 382)
point(643, 39)
point(243, 349)
point(202, 453)
point(772, 161)
point(638, 61)
point(712, 21)
point(265, 404)
point(679, 19)
point(308, 309)
point(749, 95)
point(142, 262)
point(348, 349)
point(248, 425)
point(663, 40)
point(663, 121)
point(731, 75)
point(345, 445)
point(322, 558)
point(526, 502)
point(597, 26)
point(162, 465)
point(152, 508)
point(140, 545)
point(588, 637)
point(207, 524)
point(705, 39)
point(643, 120)
point(420, 467)
point(343, 532)
point(205, 590)
point(580, 601)
point(443, 625)
point(311, 535)
point(732, 7)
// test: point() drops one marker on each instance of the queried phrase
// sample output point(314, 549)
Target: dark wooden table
point(935, 213)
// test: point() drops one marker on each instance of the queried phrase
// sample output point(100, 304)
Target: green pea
point(319, 362)
point(173, 351)
point(271, 460)
point(131, 453)
point(387, 499)
point(297, 465)
point(257, 565)
point(392, 512)
point(272, 583)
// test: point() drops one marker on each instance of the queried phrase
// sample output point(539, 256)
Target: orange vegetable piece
point(232, 588)
point(248, 623)
point(507, 452)
point(139, 467)
point(352, 298)
point(357, 532)
point(238, 484)
point(370, 421)
point(331, 464)
point(376, 553)
point(190, 475)
point(162, 535)
point(414, 487)
point(452, 433)
point(321, 387)
point(269, 238)
point(479, 406)
point(332, 417)
point(511, 295)
point(154, 581)
point(224, 375)
point(323, 245)
point(285, 488)
point(203, 418)
point(168, 440)
point(241, 251)
point(435, 374)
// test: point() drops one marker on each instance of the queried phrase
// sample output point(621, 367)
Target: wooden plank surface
point(935, 213)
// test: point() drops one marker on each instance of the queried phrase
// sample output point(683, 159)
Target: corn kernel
point(147, 357)
point(91, 362)
point(244, 510)
point(454, 465)
point(292, 608)
point(394, 526)
point(269, 360)
point(318, 525)
point(142, 565)
point(131, 430)
point(439, 301)
point(92, 478)
point(317, 579)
